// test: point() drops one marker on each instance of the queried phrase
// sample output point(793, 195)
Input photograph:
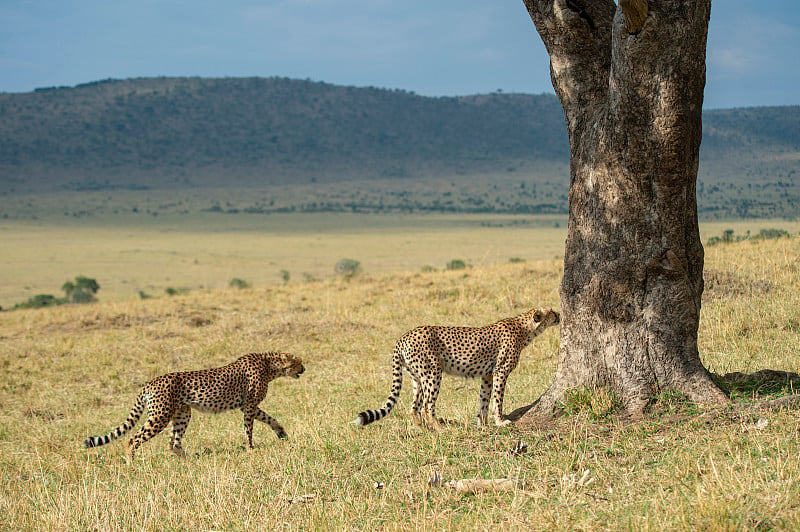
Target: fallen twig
point(300, 499)
point(475, 485)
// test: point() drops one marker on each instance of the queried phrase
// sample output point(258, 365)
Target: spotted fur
point(241, 384)
point(491, 353)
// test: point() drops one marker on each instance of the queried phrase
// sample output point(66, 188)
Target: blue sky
point(432, 47)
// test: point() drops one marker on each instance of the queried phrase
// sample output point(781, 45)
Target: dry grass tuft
point(725, 284)
point(596, 403)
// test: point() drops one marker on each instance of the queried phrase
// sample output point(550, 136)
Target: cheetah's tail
point(133, 417)
point(368, 416)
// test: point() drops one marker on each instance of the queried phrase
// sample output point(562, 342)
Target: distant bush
point(428, 269)
point(347, 267)
point(514, 260)
point(728, 236)
point(285, 276)
point(456, 264)
point(82, 290)
point(238, 283)
point(40, 301)
point(768, 234)
point(170, 291)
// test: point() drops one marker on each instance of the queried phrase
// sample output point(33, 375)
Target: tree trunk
point(630, 80)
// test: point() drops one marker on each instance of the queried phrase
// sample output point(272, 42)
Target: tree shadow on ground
point(767, 389)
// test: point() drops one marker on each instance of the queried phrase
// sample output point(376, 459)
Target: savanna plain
point(74, 370)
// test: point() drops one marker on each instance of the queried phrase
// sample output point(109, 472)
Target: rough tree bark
point(630, 80)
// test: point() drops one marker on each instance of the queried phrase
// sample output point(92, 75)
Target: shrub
point(347, 267)
point(79, 296)
point(456, 264)
point(768, 234)
point(40, 301)
point(82, 290)
point(238, 283)
point(176, 291)
point(285, 276)
point(728, 236)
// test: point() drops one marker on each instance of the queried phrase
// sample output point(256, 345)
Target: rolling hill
point(201, 133)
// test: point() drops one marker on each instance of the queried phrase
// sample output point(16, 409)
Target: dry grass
point(73, 371)
point(198, 252)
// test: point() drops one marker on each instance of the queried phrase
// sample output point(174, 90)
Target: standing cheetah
point(491, 353)
point(241, 384)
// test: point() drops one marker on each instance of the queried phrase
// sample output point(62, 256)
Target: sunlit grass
point(128, 256)
point(73, 371)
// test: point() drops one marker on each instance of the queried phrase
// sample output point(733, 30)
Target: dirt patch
point(198, 320)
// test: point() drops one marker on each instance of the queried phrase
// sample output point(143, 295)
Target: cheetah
point(491, 353)
point(241, 384)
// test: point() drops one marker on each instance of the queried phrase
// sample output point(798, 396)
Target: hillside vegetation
point(271, 130)
point(312, 146)
point(73, 371)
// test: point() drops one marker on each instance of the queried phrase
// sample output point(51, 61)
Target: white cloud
point(734, 60)
point(748, 44)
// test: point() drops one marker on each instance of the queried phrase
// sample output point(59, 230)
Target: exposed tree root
point(790, 402)
point(519, 412)
point(759, 383)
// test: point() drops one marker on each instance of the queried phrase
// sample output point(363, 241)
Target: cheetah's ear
point(537, 316)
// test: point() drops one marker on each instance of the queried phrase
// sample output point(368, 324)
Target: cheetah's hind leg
point(151, 428)
point(179, 423)
point(416, 405)
point(430, 392)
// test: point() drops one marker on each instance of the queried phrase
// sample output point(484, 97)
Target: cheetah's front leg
point(249, 415)
point(498, 393)
point(483, 400)
point(272, 422)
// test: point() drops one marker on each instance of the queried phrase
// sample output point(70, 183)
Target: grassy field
point(73, 371)
point(131, 254)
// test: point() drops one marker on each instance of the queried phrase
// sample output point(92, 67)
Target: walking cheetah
point(241, 384)
point(491, 352)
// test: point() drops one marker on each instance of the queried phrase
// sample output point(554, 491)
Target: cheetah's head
point(539, 319)
point(290, 366)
